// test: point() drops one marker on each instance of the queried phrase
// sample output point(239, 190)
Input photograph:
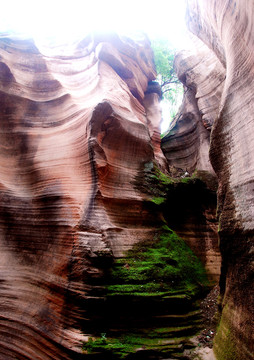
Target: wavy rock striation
point(79, 136)
point(191, 211)
point(223, 88)
point(186, 145)
point(74, 139)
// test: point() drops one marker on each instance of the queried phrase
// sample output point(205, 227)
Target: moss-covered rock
point(163, 268)
point(150, 305)
point(228, 338)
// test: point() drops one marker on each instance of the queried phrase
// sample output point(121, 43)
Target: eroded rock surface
point(79, 137)
point(186, 144)
point(186, 147)
point(74, 139)
point(190, 210)
point(223, 100)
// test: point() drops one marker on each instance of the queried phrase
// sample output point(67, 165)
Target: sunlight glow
point(67, 21)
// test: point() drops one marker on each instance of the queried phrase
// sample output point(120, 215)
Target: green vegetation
point(150, 297)
point(158, 200)
point(164, 62)
point(227, 343)
point(172, 89)
point(159, 185)
point(226, 340)
point(164, 268)
point(162, 178)
point(120, 347)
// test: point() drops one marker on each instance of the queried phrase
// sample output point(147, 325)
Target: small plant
point(158, 200)
point(103, 337)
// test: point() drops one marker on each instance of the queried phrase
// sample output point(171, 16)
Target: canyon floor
point(204, 341)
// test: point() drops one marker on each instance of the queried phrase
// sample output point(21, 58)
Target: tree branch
point(167, 82)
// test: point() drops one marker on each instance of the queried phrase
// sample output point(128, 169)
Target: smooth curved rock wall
point(186, 148)
point(186, 144)
point(74, 138)
point(227, 28)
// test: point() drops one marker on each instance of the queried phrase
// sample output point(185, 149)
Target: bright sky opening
point(66, 21)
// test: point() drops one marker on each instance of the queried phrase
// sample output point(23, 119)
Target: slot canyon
point(113, 237)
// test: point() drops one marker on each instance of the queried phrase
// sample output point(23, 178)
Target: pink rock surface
point(224, 98)
point(186, 145)
point(186, 148)
point(74, 139)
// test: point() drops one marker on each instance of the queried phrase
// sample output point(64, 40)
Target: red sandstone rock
point(77, 130)
point(75, 135)
point(191, 212)
point(227, 28)
point(186, 145)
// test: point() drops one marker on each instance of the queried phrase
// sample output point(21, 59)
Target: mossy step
point(188, 315)
point(181, 319)
point(119, 347)
point(165, 268)
point(162, 296)
point(154, 278)
point(170, 330)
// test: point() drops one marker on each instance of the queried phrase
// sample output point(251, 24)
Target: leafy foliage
point(172, 89)
point(167, 78)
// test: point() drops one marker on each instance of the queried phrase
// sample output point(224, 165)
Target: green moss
point(225, 348)
point(165, 267)
point(159, 185)
point(163, 178)
point(102, 345)
point(155, 279)
point(187, 180)
point(228, 344)
point(158, 200)
point(121, 347)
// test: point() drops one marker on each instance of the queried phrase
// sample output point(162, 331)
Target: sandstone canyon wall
point(81, 183)
point(192, 213)
point(218, 80)
point(186, 144)
point(74, 137)
point(80, 165)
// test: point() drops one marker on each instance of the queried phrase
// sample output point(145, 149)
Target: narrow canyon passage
point(117, 243)
point(85, 209)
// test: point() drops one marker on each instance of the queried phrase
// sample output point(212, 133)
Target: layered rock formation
point(79, 135)
point(74, 137)
point(186, 145)
point(221, 78)
point(191, 211)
